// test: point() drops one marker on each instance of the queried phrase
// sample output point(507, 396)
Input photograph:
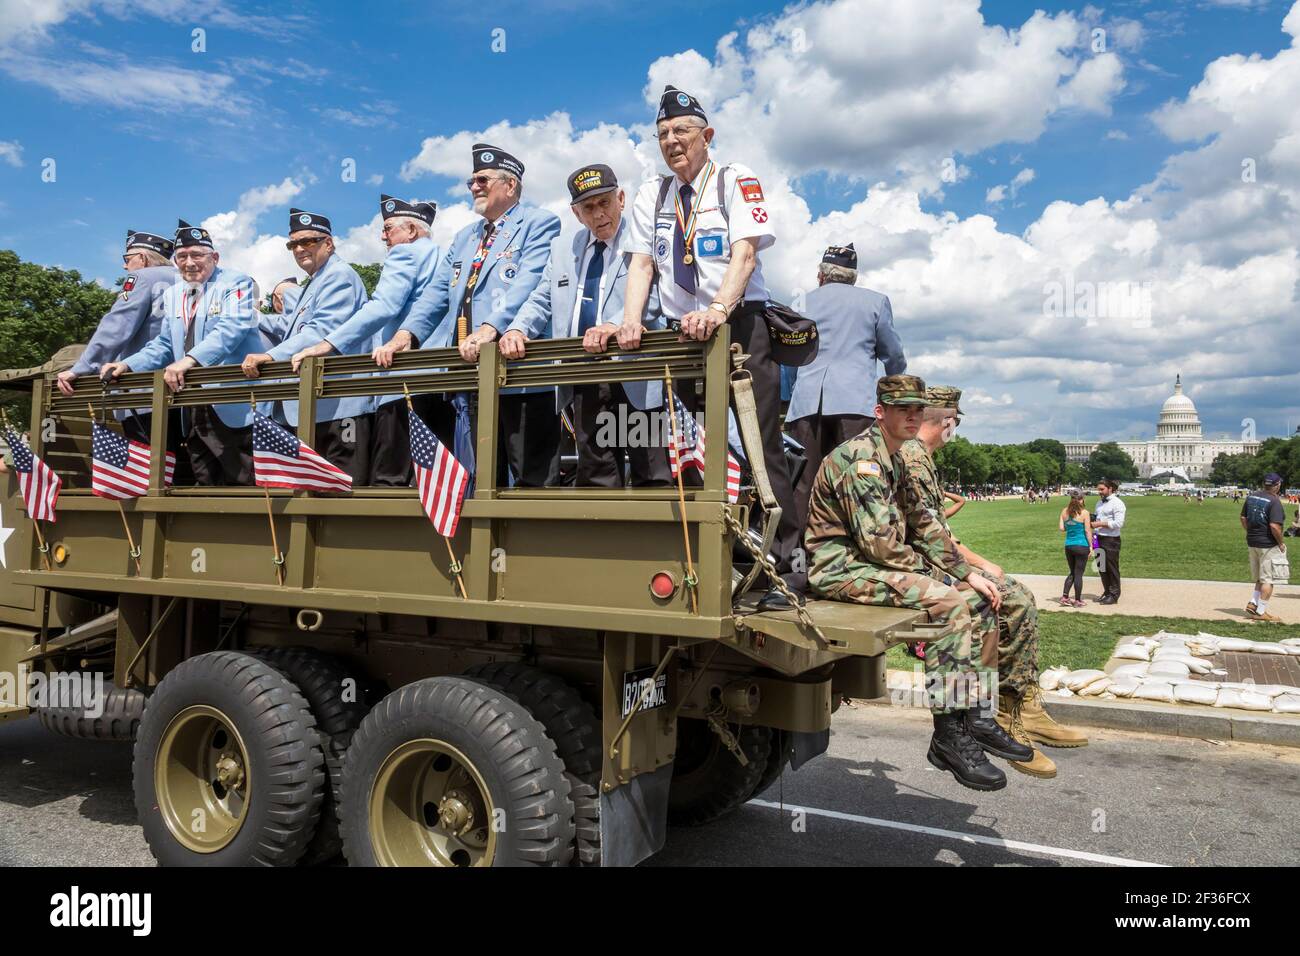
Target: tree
point(1049, 447)
point(1073, 474)
point(960, 461)
point(43, 309)
point(1231, 469)
point(1108, 460)
point(369, 275)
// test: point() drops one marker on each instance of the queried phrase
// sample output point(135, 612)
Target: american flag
point(121, 466)
point(281, 461)
point(690, 434)
point(39, 484)
point(442, 479)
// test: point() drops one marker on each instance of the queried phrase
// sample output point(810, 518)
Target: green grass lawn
point(1163, 537)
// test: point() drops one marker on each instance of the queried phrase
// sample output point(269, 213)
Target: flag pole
point(670, 401)
point(278, 558)
point(455, 565)
point(130, 541)
point(40, 538)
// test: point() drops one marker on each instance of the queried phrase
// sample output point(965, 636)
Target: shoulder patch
point(869, 468)
point(129, 284)
point(750, 189)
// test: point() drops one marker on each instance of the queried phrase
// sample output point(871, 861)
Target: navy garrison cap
point(300, 219)
point(493, 157)
point(845, 256)
point(147, 240)
point(187, 235)
point(675, 103)
point(423, 211)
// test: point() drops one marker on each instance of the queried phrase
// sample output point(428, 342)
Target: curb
point(1174, 720)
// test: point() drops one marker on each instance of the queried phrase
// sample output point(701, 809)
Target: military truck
point(555, 688)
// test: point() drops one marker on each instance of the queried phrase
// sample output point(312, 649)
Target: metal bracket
point(917, 632)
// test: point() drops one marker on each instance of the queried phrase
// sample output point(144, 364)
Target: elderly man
point(489, 271)
point(208, 320)
point(701, 230)
point(334, 293)
point(830, 401)
point(581, 295)
point(284, 300)
point(408, 268)
point(1015, 653)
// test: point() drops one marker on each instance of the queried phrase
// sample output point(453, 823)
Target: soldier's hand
point(65, 381)
point(513, 345)
point(470, 348)
point(311, 351)
point(174, 374)
point(629, 335)
point(986, 588)
point(383, 355)
point(701, 325)
point(993, 571)
point(253, 363)
point(111, 370)
point(596, 339)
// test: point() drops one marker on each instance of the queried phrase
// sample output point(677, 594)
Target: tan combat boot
point(1009, 717)
point(1042, 728)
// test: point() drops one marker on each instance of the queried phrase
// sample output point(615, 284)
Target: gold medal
point(688, 258)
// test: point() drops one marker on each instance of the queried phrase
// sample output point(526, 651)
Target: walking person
point(1107, 521)
point(1077, 525)
point(1262, 516)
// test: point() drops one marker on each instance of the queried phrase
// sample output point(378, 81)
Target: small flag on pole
point(39, 484)
point(121, 466)
point(281, 461)
point(442, 479)
point(690, 454)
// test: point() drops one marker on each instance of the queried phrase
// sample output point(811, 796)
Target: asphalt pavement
point(871, 799)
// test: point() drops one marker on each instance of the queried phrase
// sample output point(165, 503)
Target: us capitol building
point(1179, 452)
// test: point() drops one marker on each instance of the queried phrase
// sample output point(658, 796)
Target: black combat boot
point(955, 750)
point(990, 735)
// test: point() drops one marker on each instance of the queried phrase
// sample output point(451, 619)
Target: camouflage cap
point(944, 396)
point(901, 390)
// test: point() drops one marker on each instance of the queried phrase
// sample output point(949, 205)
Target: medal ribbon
point(689, 226)
point(484, 246)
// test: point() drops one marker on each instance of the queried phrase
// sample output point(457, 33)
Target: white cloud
point(1116, 134)
point(377, 179)
point(11, 152)
point(243, 248)
point(995, 195)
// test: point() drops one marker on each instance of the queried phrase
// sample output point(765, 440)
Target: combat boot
point(955, 750)
point(994, 739)
point(1009, 718)
point(1040, 726)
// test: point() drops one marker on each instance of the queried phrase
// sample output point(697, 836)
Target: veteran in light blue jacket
point(408, 268)
point(581, 296)
point(485, 277)
point(209, 319)
point(333, 294)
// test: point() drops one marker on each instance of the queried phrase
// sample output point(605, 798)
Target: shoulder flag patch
point(750, 189)
point(869, 468)
point(129, 284)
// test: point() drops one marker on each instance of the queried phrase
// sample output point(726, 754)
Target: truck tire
point(436, 764)
point(322, 680)
point(708, 781)
point(586, 822)
point(123, 708)
point(228, 769)
point(777, 760)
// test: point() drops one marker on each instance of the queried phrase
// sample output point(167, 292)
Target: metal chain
point(716, 719)
point(777, 581)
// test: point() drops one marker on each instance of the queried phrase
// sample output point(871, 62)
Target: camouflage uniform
point(1015, 655)
point(857, 526)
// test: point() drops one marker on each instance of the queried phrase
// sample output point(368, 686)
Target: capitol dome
point(1178, 417)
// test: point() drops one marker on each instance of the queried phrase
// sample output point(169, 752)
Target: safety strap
point(742, 389)
point(666, 183)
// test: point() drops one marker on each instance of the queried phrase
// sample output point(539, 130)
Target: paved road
point(1165, 800)
point(1158, 597)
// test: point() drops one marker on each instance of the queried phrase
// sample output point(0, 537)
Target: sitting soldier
point(858, 551)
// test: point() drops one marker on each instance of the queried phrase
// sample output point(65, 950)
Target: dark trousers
point(1076, 557)
point(390, 446)
point(1110, 564)
point(602, 452)
point(140, 428)
point(345, 443)
point(529, 438)
point(219, 454)
point(820, 435)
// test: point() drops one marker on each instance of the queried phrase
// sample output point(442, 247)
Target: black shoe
point(1108, 599)
point(990, 735)
point(774, 600)
point(955, 750)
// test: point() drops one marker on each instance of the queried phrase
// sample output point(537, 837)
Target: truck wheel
point(123, 708)
point(228, 769)
point(708, 781)
point(450, 772)
point(777, 760)
point(323, 681)
point(586, 822)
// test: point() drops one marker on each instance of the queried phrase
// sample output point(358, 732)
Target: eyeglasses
point(294, 244)
point(481, 181)
point(126, 259)
point(681, 132)
point(192, 256)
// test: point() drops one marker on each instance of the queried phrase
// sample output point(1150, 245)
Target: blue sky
point(144, 130)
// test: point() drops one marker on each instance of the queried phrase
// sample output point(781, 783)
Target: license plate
point(635, 683)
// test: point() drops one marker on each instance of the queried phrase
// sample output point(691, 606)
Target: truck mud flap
point(634, 818)
point(805, 746)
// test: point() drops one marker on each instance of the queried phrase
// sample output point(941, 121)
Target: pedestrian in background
point(1077, 525)
point(1262, 516)
point(1107, 521)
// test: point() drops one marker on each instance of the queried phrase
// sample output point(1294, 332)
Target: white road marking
point(958, 835)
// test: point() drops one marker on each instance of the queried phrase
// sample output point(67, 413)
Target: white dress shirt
point(1111, 510)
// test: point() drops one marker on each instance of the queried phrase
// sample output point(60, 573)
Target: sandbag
point(1077, 680)
point(1287, 704)
point(1132, 652)
point(1168, 669)
point(1155, 690)
point(1234, 644)
point(1129, 670)
point(1196, 665)
point(1124, 686)
point(1196, 693)
point(1096, 688)
point(1266, 647)
point(1290, 642)
point(1050, 679)
point(1242, 699)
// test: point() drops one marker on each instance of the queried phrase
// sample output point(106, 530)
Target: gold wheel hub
point(429, 806)
point(201, 779)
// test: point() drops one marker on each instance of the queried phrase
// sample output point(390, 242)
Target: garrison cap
point(675, 103)
point(591, 181)
point(845, 256)
point(492, 157)
point(390, 207)
point(944, 396)
point(300, 219)
point(187, 235)
point(901, 390)
point(147, 240)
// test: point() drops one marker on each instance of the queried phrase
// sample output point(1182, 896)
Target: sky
point(1067, 205)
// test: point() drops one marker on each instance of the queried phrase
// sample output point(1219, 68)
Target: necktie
point(683, 274)
point(466, 316)
point(191, 318)
point(591, 289)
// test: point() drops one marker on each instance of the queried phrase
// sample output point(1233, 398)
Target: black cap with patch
point(591, 181)
point(147, 240)
point(187, 235)
point(492, 157)
point(423, 211)
point(675, 103)
point(845, 256)
point(300, 219)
